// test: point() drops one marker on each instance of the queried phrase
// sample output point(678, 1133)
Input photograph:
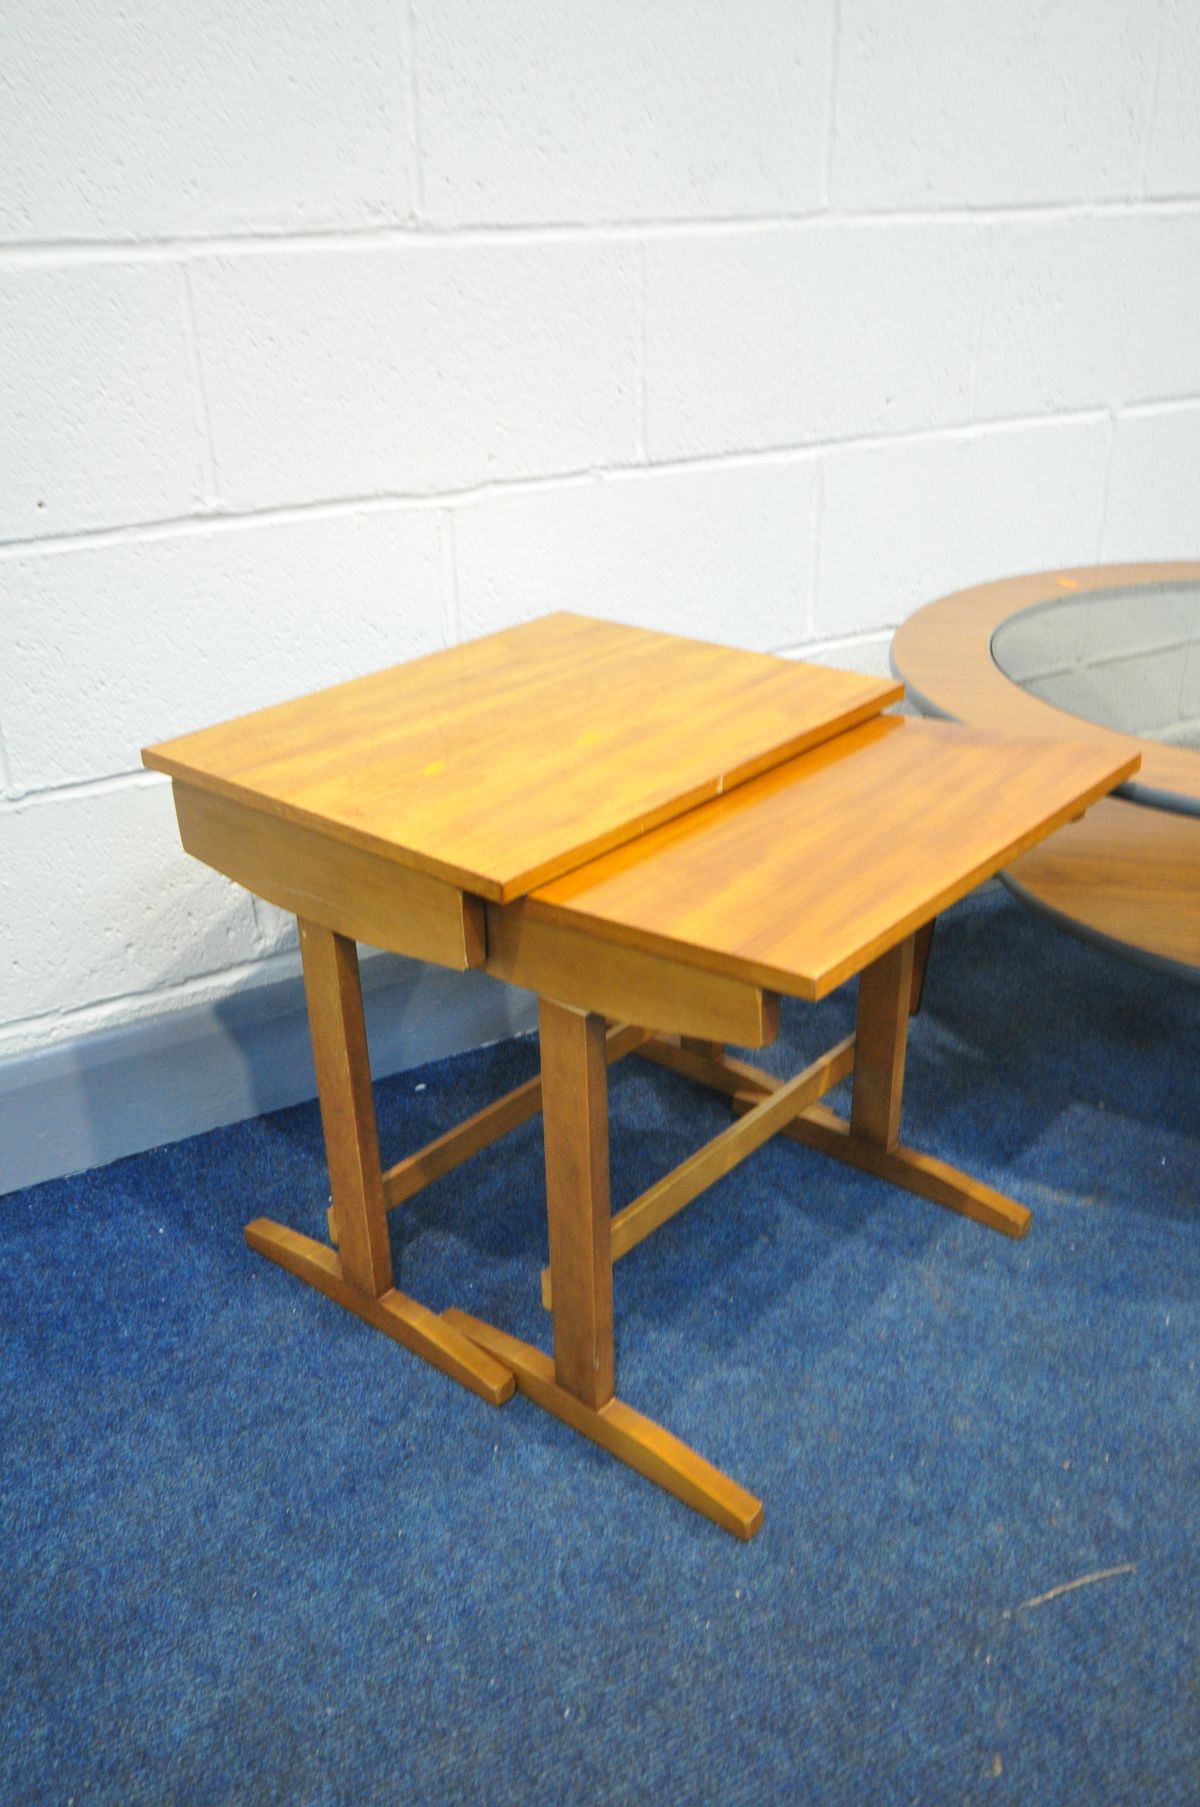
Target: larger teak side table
point(660, 838)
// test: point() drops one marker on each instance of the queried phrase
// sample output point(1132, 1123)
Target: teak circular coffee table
point(1108, 653)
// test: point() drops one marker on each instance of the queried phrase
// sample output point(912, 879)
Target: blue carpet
point(253, 1552)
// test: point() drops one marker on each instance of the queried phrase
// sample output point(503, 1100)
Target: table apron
point(625, 984)
point(355, 893)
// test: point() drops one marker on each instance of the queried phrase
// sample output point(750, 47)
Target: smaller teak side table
point(660, 838)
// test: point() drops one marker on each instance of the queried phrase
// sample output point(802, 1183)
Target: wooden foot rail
point(403, 1319)
point(889, 992)
point(495, 1120)
point(718, 1070)
point(764, 1119)
point(921, 1173)
point(359, 1274)
point(624, 1433)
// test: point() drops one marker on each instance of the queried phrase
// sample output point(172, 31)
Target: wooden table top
point(502, 763)
point(795, 880)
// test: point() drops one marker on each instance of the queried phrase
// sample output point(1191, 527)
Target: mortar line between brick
point(409, 26)
point(6, 783)
point(260, 927)
point(203, 415)
point(453, 611)
point(1156, 85)
point(814, 563)
point(79, 788)
point(643, 344)
point(985, 272)
point(429, 233)
point(831, 108)
point(1108, 464)
point(386, 501)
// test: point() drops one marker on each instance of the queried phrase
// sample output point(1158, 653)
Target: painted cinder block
point(615, 110)
point(99, 901)
point(97, 410)
point(110, 647)
point(149, 121)
point(902, 524)
point(789, 336)
point(946, 104)
point(356, 372)
point(1154, 487)
point(1173, 161)
point(718, 554)
point(1093, 312)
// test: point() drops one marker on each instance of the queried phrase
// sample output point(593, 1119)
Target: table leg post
point(358, 1273)
point(339, 1041)
point(871, 1139)
point(922, 947)
point(578, 1385)
point(575, 1113)
point(881, 1044)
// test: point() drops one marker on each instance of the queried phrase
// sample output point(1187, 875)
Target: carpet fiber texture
point(254, 1552)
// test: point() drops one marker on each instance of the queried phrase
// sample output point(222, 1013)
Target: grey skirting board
point(84, 1102)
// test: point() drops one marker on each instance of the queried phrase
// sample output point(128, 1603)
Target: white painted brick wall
point(942, 103)
point(909, 520)
point(417, 369)
point(147, 120)
point(1174, 140)
point(331, 334)
point(96, 399)
point(96, 905)
point(722, 554)
point(614, 109)
point(156, 635)
point(1154, 485)
point(1091, 312)
point(797, 335)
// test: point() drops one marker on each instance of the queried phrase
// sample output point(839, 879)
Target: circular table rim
point(943, 654)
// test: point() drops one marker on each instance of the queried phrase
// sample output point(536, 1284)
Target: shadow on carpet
point(254, 1552)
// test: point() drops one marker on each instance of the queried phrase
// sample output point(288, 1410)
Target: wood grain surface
point(885, 990)
point(943, 653)
point(626, 1434)
point(923, 1174)
point(798, 879)
point(355, 893)
point(626, 983)
point(405, 1320)
point(1129, 874)
point(1125, 873)
point(498, 764)
point(578, 1207)
point(339, 1039)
